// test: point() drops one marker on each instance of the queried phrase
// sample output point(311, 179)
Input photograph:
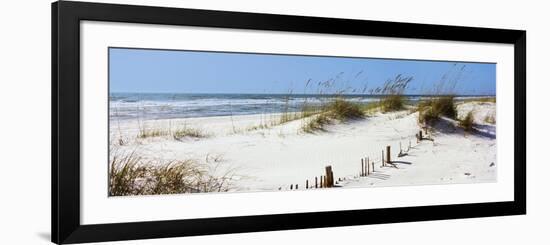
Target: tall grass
point(186, 132)
point(286, 115)
point(432, 109)
point(126, 175)
point(175, 177)
point(316, 123)
point(467, 123)
point(392, 103)
point(133, 175)
point(490, 119)
point(392, 91)
point(443, 103)
point(338, 109)
point(343, 110)
point(152, 132)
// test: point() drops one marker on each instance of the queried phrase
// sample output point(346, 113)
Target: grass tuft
point(124, 173)
point(467, 123)
point(188, 133)
point(490, 119)
point(395, 102)
point(132, 175)
point(343, 110)
point(392, 91)
point(175, 177)
point(431, 110)
point(148, 133)
point(316, 123)
point(338, 109)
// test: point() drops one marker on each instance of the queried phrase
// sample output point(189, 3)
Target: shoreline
point(291, 109)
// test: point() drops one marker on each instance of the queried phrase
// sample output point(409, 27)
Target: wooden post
point(383, 163)
point(325, 184)
point(420, 135)
point(369, 170)
point(307, 184)
point(316, 182)
point(366, 166)
point(322, 181)
point(296, 186)
point(388, 155)
point(362, 168)
point(329, 180)
point(291, 185)
point(373, 166)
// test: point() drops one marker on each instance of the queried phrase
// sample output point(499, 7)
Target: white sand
point(278, 156)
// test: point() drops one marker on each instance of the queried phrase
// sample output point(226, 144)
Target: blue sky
point(168, 71)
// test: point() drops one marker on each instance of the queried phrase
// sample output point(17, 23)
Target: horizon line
point(210, 93)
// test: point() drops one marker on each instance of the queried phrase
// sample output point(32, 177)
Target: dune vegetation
point(131, 174)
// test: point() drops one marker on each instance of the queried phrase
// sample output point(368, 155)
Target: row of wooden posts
point(324, 181)
point(367, 168)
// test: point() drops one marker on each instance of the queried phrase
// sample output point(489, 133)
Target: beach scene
point(191, 122)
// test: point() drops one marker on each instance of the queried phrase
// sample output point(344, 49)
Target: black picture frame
point(65, 171)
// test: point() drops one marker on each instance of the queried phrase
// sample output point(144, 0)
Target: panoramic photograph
point(187, 122)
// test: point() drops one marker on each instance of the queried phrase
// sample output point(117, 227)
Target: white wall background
point(25, 121)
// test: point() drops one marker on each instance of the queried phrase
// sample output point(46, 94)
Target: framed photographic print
point(175, 122)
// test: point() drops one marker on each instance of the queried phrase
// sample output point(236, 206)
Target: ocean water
point(125, 106)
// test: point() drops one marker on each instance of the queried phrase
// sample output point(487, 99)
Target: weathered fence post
point(307, 184)
point(315, 182)
point(383, 163)
point(388, 154)
point(362, 168)
point(368, 167)
point(329, 176)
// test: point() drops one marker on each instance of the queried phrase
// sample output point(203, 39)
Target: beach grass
point(316, 123)
point(131, 174)
point(490, 119)
point(392, 102)
point(343, 110)
point(338, 109)
point(392, 91)
point(178, 176)
point(432, 109)
point(467, 123)
point(124, 173)
point(305, 111)
point(492, 99)
point(186, 132)
point(152, 132)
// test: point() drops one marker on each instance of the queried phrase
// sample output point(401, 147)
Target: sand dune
point(272, 157)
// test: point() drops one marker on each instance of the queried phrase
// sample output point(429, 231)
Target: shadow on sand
point(449, 126)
